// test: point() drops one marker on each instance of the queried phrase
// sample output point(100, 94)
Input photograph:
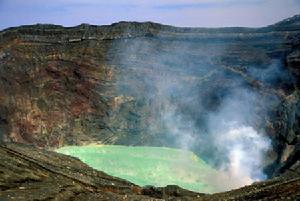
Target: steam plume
point(194, 106)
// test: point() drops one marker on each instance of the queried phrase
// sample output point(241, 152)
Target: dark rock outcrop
point(33, 174)
point(83, 84)
point(28, 173)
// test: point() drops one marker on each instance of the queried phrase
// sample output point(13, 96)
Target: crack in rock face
point(229, 95)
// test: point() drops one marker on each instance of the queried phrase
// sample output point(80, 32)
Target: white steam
point(230, 129)
point(245, 148)
point(181, 130)
point(233, 133)
point(176, 84)
point(242, 147)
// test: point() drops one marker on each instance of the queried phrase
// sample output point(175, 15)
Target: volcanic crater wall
point(146, 84)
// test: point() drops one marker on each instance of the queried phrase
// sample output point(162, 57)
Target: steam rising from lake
point(200, 105)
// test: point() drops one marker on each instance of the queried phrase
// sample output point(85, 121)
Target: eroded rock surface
point(28, 173)
point(71, 86)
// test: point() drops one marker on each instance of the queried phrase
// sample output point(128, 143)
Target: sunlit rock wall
point(133, 83)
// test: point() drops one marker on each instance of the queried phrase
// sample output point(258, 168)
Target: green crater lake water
point(157, 166)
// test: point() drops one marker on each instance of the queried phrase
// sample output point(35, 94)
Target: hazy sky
point(195, 13)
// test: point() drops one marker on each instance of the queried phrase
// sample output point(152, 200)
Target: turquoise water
point(157, 166)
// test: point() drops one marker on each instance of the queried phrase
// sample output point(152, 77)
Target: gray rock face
point(28, 173)
point(31, 174)
point(150, 84)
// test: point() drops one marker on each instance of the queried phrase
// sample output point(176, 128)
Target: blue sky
point(192, 13)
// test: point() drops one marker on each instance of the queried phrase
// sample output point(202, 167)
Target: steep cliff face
point(121, 84)
point(27, 173)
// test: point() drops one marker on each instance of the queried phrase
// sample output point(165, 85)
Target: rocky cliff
point(27, 173)
point(109, 84)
